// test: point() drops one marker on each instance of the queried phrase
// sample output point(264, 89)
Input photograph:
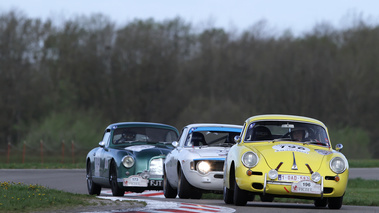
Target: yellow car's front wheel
point(240, 195)
point(335, 202)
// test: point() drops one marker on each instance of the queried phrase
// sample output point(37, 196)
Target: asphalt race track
point(73, 180)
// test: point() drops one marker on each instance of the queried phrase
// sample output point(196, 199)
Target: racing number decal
point(290, 148)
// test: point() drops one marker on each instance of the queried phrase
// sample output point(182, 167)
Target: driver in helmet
point(298, 134)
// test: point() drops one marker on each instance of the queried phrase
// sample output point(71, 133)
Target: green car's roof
point(139, 124)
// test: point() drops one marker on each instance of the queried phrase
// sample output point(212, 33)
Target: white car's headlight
point(128, 161)
point(156, 166)
point(338, 165)
point(249, 159)
point(203, 167)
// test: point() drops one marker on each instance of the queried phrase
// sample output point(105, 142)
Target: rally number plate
point(307, 187)
point(136, 181)
point(295, 178)
point(155, 183)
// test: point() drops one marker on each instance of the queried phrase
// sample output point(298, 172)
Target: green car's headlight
point(128, 161)
point(338, 165)
point(250, 159)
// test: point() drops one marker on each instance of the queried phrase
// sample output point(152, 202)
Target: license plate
point(155, 183)
point(295, 178)
point(136, 181)
point(307, 187)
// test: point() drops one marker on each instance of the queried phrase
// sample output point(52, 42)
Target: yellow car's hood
point(292, 155)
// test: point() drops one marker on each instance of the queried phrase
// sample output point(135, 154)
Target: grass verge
point(359, 193)
point(364, 163)
point(18, 197)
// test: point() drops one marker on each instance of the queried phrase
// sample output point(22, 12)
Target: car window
point(143, 134)
point(284, 130)
point(106, 138)
point(211, 138)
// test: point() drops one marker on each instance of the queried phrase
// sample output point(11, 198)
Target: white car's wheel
point(168, 191)
point(184, 188)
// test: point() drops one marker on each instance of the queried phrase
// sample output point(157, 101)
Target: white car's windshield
point(211, 138)
point(286, 131)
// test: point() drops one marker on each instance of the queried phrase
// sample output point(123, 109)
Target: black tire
point(168, 191)
point(185, 189)
point(228, 195)
point(116, 190)
point(240, 196)
point(321, 202)
point(267, 198)
point(335, 202)
point(93, 188)
point(196, 193)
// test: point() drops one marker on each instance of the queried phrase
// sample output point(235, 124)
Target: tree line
point(173, 72)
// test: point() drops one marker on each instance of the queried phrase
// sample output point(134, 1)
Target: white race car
point(196, 164)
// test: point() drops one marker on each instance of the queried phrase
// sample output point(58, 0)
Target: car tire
point(240, 196)
point(335, 202)
point(184, 188)
point(168, 191)
point(321, 202)
point(116, 190)
point(93, 188)
point(267, 198)
point(196, 193)
point(228, 195)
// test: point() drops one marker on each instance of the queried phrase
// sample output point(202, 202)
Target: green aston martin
point(130, 157)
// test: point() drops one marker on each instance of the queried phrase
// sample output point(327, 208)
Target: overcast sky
point(298, 15)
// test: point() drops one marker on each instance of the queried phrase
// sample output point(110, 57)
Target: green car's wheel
point(93, 188)
point(116, 190)
point(168, 191)
point(240, 196)
point(335, 202)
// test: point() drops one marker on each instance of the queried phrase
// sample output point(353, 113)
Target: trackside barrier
point(42, 153)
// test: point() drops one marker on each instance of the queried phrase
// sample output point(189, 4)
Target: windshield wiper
point(281, 139)
point(315, 142)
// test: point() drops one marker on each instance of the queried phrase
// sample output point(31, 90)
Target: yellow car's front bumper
point(259, 183)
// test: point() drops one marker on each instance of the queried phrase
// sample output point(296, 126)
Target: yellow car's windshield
point(286, 131)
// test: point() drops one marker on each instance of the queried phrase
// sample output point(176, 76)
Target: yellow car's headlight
point(338, 165)
point(249, 159)
point(128, 161)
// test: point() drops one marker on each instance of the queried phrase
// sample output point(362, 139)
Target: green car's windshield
point(143, 134)
point(287, 131)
